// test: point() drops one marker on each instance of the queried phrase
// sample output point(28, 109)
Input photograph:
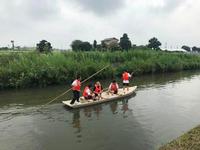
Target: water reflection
point(160, 80)
point(125, 108)
point(113, 107)
point(76, 121)
point(38, 96)
point(161, 111)
point(109, 120)
point(88, 112)
point(95, 111)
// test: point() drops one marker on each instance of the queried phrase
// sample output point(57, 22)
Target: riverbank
point(20, 70)
point(188, 141)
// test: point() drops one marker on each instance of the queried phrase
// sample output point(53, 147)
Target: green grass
point(20, 70)
point(188, 141)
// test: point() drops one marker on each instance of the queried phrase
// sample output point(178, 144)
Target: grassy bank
point(188, 141)
point(33, 69)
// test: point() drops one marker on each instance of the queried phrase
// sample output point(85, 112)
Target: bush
point(19, 70)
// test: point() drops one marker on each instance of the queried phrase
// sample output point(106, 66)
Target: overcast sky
point(175, 22)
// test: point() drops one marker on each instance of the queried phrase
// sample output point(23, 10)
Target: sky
point(173, 22)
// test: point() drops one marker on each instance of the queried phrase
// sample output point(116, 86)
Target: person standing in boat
point(113, 88)
point(87, 92)
point(125, 77)
point(98, 89)
point(76, 88)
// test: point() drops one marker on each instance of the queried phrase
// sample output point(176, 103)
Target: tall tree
point(78, 45)
point(85, 46)
point(125, 43)
point(95, 44)
point(195, 49)
point(187, 48)
point(44, 46)
point(13, 44)
point(154, 43)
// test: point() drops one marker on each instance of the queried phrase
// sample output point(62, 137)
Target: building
point(110, 42)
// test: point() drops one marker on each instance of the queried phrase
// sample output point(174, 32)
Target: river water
point(163, 107)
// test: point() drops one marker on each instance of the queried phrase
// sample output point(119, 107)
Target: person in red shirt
point(87, 93)
point(113, 88)
point(76, 88)
point(98, 89)
point(125, 77)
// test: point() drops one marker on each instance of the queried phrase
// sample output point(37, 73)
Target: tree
point(125, 43)
point(13, 44)
point(85, 46)
point(44, 46)
point(95, 44)
point(4, 48)
point(154, 43)
point(78, 45)
point(195, 49)
point(187, 48)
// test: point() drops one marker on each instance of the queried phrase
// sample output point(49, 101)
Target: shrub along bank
point(20, 70)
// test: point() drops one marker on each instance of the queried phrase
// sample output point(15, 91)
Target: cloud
point(101, 7)
point(28, 9)
point(156, 6)
point(61, 21)
point(41, 9)
point(173, 4)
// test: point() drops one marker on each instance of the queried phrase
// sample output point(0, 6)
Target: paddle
point(81, 83)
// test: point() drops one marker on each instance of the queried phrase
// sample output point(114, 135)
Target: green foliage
point(75, 45)
point(95, 44)
point(125, 43)
point(4, 48)
point(78, 45)
point(44, 46)
point(195, 49)
point(154, 43)
point(85, 46)
point(187, 48)
point(19, 70)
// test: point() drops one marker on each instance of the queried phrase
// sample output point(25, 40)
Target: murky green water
point(163, 107)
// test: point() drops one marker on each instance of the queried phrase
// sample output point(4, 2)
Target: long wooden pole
point(132, 74)
point(81, 83)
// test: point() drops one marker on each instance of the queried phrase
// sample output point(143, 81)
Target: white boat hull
point(106, 97)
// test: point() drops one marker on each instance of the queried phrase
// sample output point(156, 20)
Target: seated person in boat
point(113, 88)
point(87, 93)
point(98, 89)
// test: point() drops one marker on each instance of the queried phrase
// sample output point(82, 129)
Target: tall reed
point(19, 70)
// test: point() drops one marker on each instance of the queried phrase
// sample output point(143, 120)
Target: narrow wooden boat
point(105, 98)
